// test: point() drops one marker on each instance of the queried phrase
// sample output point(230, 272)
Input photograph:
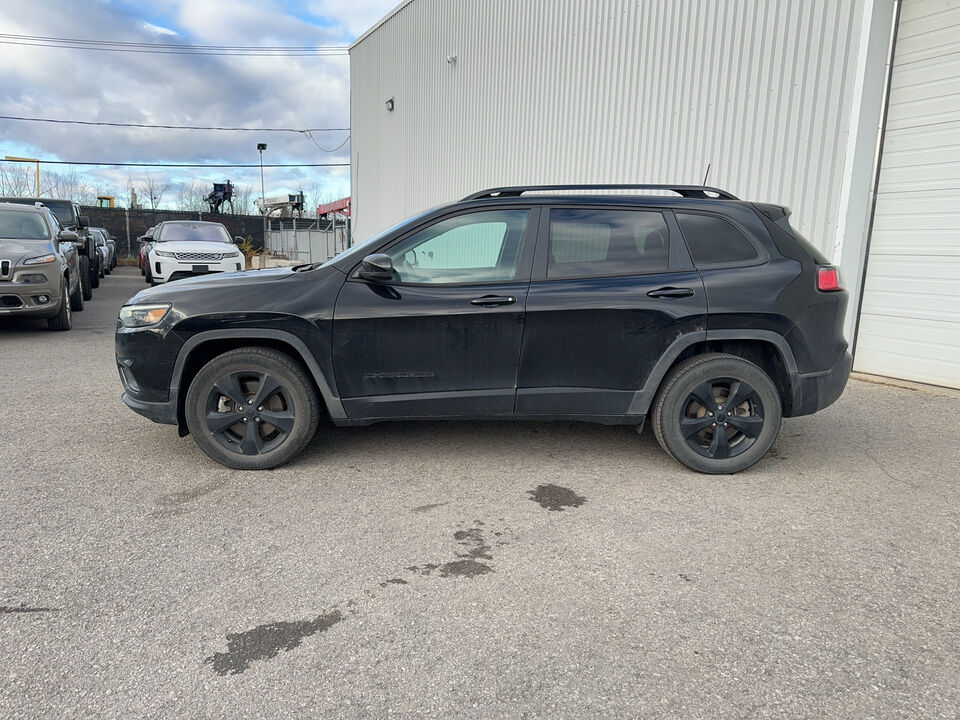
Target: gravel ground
point(466, 570)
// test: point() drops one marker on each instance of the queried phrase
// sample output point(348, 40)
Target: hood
point(17, 250)
point(217, 282)
point(282, 291)
point(193, 246)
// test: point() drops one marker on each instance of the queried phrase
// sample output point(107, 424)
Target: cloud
point(297, 92)
point(361, 16)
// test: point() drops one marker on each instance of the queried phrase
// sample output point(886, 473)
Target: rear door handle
point(670, 292)
point(493, 300)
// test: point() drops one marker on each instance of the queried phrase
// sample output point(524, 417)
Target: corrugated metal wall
point(604, 91)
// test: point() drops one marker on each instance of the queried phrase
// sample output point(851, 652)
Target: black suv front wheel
point(717, 413)
point(252, 408)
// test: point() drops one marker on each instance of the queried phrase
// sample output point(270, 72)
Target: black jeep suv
point(708, 314)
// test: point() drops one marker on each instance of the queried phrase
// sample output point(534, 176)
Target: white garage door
point(910, 316)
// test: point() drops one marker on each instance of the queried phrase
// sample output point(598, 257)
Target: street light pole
point(263, 201)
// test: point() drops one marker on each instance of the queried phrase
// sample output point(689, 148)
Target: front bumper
point(815, 391)
point(26, 298)
point(167, 269)
point(160, 412)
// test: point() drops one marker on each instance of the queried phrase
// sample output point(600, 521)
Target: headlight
point(143, 315)
point(164, 253)
point(235, 253)
point(40, 260)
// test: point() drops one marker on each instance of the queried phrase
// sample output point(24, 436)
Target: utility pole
point(263, 200)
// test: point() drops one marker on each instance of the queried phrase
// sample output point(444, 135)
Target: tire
point(253, 444)
point(76, 297)
point(684, 424)
point(85, 280)
point(107, 268)
point(63, 320)
point(96, 272)
point(148, 275)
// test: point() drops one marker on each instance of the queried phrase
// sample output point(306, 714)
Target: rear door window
point(715, 241)
point(586, 242)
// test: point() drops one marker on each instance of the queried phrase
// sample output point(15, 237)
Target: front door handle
point(493, 300)
point(670, 292)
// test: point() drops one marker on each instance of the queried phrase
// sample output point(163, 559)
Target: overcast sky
point(298, 92)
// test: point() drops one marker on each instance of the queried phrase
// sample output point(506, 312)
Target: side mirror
point(238, 240)
point(377, 268)
point(84, 221)
point(69, 236)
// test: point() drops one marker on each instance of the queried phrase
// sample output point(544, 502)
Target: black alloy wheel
point(249, 413)
point(717, 413)
point(721, 418)
point(252, 408)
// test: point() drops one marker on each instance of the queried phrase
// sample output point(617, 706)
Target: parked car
point(710, 316)
point(103, 254)
point(39, 266)
point(110, 249)
point(68, 214)
point(182, 248)
point(145, 240)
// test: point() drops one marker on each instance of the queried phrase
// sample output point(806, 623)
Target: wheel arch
point(764, 348)
point(203, 347)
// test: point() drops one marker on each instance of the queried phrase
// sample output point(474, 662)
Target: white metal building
point(783, 100)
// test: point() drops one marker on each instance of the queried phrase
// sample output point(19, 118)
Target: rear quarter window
point(715, 241)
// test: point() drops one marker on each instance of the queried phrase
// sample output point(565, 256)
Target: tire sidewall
point(669, 407)
point(301, 393)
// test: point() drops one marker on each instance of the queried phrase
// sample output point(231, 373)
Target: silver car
point(39, 266)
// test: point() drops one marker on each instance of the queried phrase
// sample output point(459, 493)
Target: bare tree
point(191, 196)
point(243, 199)
point(17, 180)
point(153, 190)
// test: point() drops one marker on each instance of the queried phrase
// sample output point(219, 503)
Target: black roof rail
point(688, 191)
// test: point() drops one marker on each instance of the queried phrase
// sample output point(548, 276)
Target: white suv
point(182, 248)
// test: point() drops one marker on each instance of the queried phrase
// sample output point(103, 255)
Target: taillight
point(828, 279)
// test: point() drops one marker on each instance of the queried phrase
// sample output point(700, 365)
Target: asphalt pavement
point(466, 570)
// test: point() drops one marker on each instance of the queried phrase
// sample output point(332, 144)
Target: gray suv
point(39, 266)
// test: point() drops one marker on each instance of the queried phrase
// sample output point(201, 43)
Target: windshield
point(357, 252)
point(15, 224)
point(63, 210)
point(202, 232)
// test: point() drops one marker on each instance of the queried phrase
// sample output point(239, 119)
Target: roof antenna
point(706, 175)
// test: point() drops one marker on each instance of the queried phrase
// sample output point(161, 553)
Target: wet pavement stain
point(394, 581)
point(464, 568)
point(556, 497)
point(469, 565)
point(174, 504)
point(426, 508)
point(23, 608)
point(267, 641)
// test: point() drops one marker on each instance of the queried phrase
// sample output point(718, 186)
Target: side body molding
point(328, 392)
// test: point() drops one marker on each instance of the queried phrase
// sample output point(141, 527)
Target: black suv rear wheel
point(252, 408)
point(85, 287)
point(717, 413)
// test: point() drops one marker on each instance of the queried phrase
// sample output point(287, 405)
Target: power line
point(188, 165)
point(305, 131)
point(323, 149)
point(173, 48)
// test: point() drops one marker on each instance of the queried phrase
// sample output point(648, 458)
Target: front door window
point(479, 247)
